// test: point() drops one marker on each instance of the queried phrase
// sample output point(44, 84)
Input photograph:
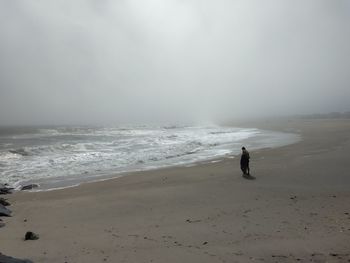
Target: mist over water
point(120, 64)
point(113, 62)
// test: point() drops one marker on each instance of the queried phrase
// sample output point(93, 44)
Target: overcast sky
point(112, 61)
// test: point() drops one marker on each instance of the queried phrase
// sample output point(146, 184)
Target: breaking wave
point(67, 152)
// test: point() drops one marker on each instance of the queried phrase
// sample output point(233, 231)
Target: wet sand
point(296, 209)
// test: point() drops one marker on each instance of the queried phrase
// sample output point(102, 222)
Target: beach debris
point(31, 236)
point(29, 187)
point(177, 243)
point(7, 259)
point(4, 202)
point(316, 254)
point(279, 256)
point(193, 221)
point(204, 243)
point(4, 211)
point(294, 197)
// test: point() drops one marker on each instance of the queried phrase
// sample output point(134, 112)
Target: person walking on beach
point(245, 161)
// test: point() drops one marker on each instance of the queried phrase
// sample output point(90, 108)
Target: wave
point(20, 151)
point(87, 151)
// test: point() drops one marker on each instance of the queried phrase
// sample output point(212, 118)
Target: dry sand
point(297, 209)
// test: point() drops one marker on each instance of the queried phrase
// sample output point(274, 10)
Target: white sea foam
point(74, 153)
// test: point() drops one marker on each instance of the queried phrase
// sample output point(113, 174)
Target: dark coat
point(245, 158)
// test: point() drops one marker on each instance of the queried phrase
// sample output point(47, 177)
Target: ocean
point(55, 157)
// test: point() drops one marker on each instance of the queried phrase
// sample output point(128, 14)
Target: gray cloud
point(97, 61)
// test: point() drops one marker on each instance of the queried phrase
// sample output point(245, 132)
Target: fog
point(110, 62)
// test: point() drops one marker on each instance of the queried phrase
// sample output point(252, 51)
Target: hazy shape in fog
point(94, 61)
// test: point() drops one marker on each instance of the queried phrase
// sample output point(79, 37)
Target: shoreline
point(295, 210)
point(59, 183)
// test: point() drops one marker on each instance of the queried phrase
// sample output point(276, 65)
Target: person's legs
point(248, 169)
point(244, 169)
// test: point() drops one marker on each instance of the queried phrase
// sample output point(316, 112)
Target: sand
point(297, 209)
